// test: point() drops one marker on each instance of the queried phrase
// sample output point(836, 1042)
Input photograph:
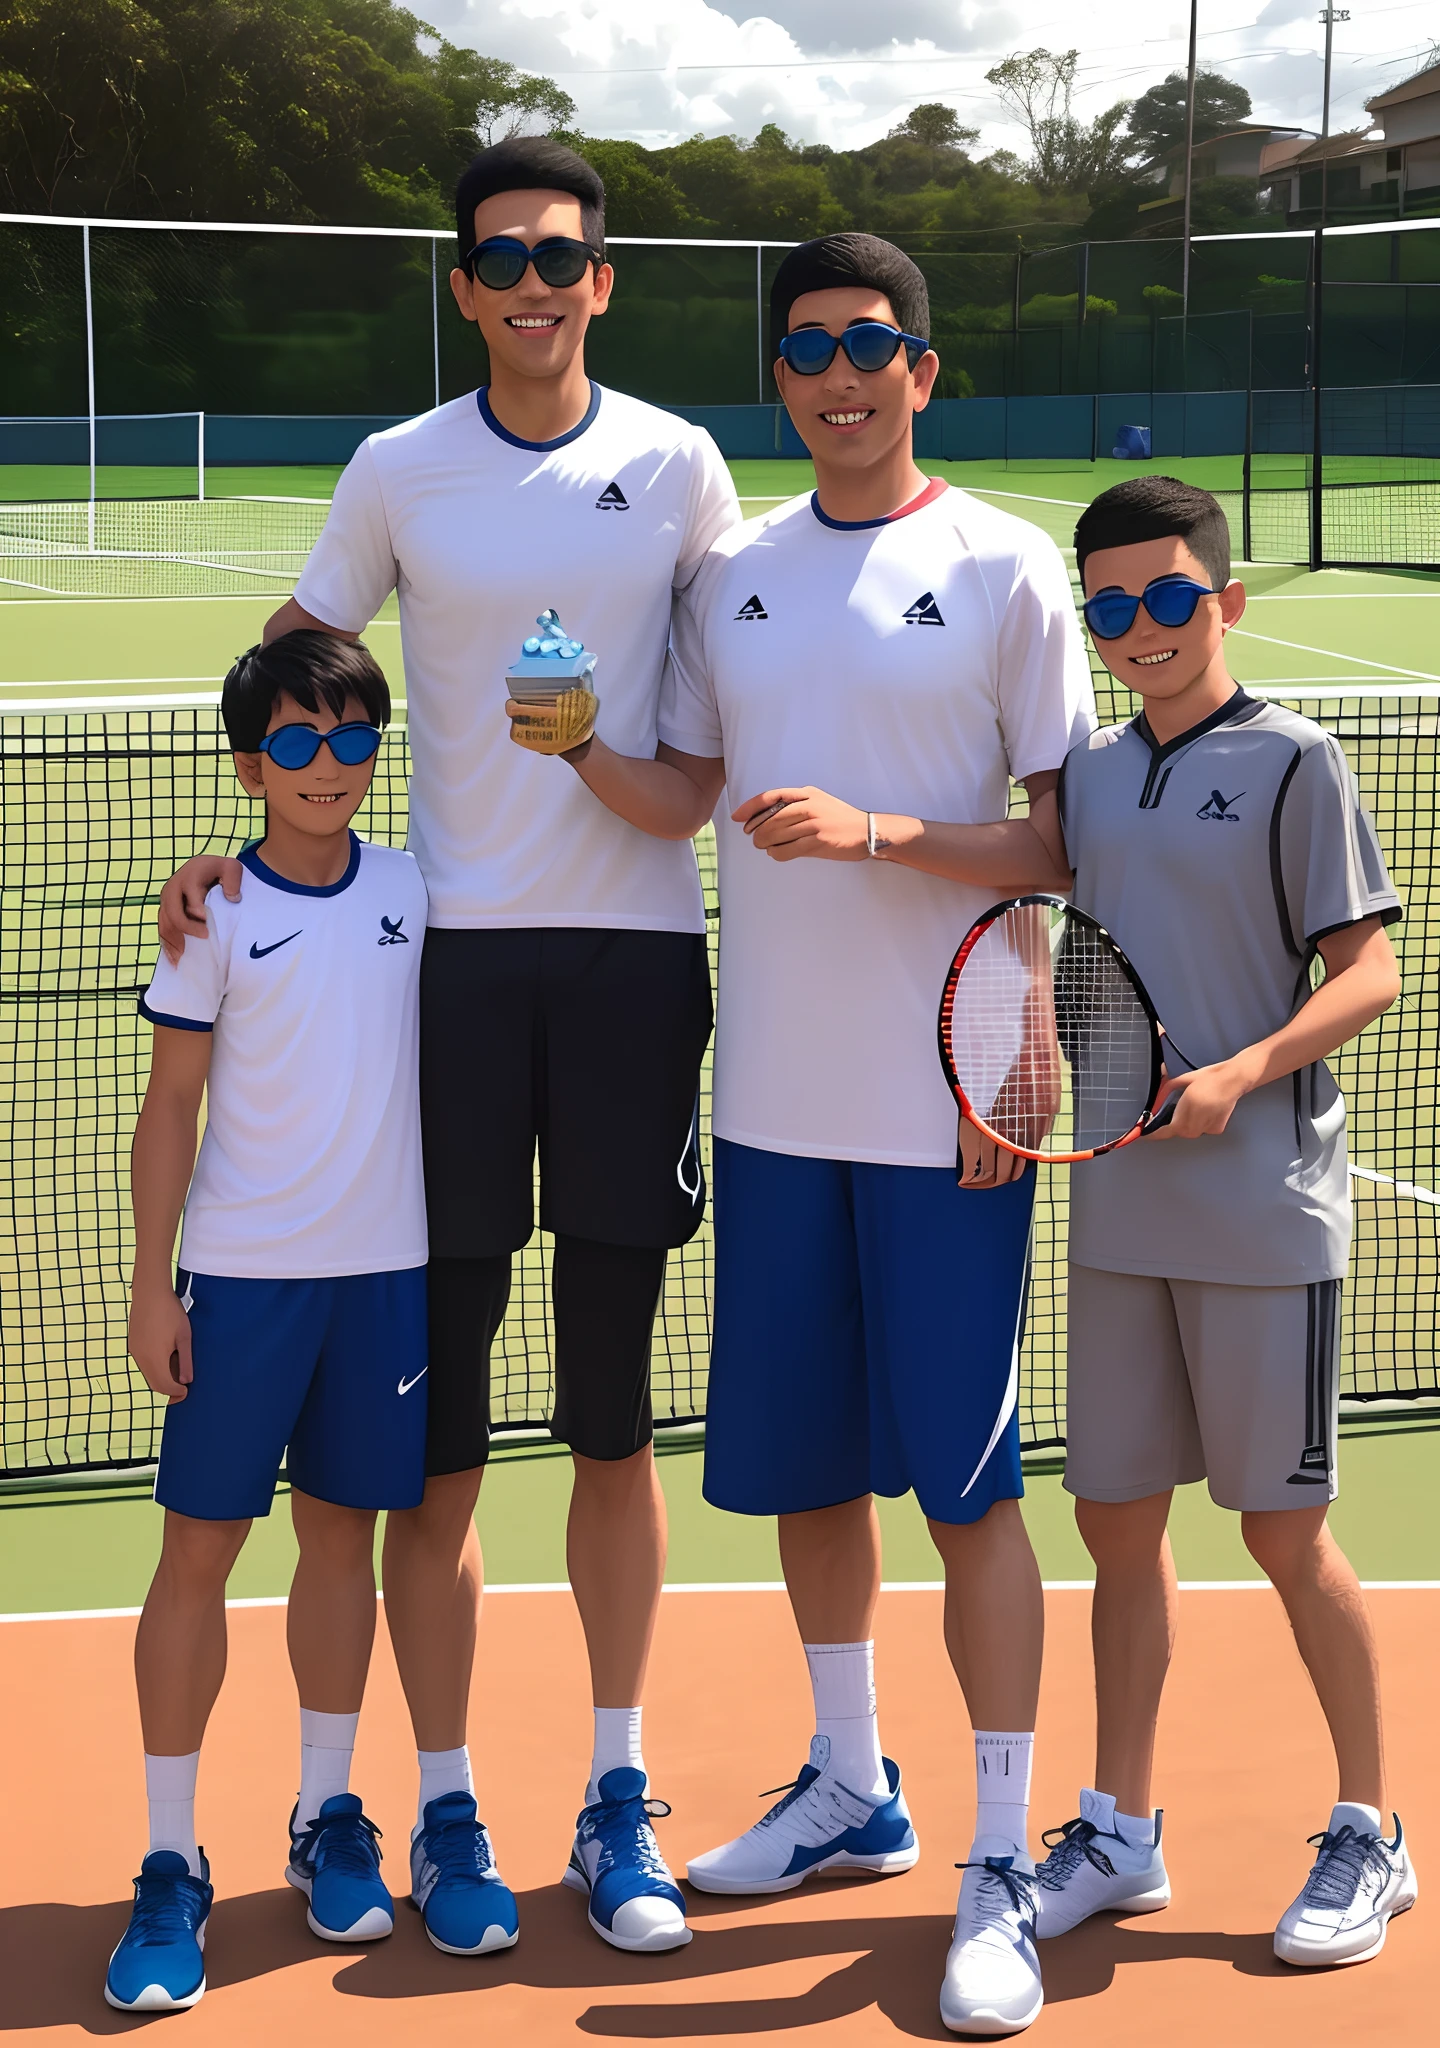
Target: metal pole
point(1189, 168)
point(1329, 15)
point(89, 377)
point(200, 455)
point(1317, 464)
point(435, 317)
point(759, 330)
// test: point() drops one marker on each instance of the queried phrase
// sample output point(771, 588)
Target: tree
point(1066, 154)
point(1157, 119)
point(512, 100)
point(293, 110)
point(937, 126)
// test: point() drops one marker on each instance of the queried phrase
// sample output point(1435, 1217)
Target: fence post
point(1317, 461)
point(89, 379)
point(759, 329)
point(435, 317)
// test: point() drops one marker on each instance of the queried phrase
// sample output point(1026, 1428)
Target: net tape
point(97, 808)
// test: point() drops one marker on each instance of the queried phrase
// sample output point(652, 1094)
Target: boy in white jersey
point(851, 669)
point(295, 1327)
point(1222, 842)
point(565, 994)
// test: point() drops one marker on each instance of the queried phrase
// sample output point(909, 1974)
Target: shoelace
point(622, 1828)
point(1068, 1847)
point(1000, 1879)
point(460, 1848)
point(1341, 1866)
point(166, 1907)
point(346, 1844)
point(796, 1789)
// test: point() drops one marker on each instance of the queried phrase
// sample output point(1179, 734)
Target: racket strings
point(1042, 998)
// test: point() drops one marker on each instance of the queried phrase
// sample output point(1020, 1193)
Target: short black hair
point(315, 669)
point(835, 261)
point(529, 163)
point(1154, 508)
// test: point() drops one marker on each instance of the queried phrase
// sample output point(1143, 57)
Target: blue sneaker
point(468, 1908)
point(634, 1901)
point(336, 1864)
point(820, 1824)
point(159, 1961)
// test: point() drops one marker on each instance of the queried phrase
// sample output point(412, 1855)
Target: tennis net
point(98, 807)
point(158, 547)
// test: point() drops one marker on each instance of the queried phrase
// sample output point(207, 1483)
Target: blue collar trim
point(936, 487)
point(482, 397)
point(251, 859)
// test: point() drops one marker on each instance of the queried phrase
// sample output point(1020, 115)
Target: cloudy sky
point(845, 71)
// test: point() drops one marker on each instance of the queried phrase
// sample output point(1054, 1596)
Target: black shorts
point(588, 1045)
point(584, 1043)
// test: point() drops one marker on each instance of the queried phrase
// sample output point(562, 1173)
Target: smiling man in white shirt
point(565, 996)
point(864, 672)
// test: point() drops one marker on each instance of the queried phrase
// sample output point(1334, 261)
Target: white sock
point(1136, 1831)
point(1350, 1813)
point(842, 1678)
point(617, 1746)
point(170, 1789)
point(1002, 1785)
point(442, 1771)
point(327, 1743)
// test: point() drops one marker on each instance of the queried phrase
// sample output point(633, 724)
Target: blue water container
point(1132, 445)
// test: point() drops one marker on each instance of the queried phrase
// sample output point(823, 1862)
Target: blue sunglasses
point(869, 344)
point(1170, 601)
point(295, 746)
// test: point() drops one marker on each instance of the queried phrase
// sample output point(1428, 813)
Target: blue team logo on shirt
point(1218, 807)
point(393, 934)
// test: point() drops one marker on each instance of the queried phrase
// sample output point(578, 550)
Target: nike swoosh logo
point(405, 1385)
point(259, 952)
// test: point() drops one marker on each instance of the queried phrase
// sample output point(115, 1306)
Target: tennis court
point(113, 771)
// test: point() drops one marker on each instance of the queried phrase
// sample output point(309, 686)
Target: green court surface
point(1340, 626)
point(81, 1550)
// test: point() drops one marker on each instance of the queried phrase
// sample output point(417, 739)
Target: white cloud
point(659, 70)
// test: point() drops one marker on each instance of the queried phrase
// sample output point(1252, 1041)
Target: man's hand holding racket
point(1204, 1100)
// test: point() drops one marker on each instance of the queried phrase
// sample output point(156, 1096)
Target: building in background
point(1386, 171)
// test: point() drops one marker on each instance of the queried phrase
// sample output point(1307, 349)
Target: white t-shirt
point(479, 533)
point(310, 1163)
point(913, 664)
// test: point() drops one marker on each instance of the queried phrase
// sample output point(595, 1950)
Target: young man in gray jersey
point(1221, 840)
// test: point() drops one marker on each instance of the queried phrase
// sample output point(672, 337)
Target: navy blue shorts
point(867, 1335)
point(327, 1374)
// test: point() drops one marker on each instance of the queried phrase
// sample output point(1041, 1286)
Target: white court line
point(1330, 596)
point(221, 597)
point(1401, 1187)
point(105, 682)
point(763, 1586)
point(1328, 654)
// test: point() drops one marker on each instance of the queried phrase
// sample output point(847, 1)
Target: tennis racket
point(1040, 996)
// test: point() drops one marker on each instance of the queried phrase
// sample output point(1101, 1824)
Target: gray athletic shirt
point(1217, 862)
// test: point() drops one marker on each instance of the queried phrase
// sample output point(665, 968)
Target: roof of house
point(1266, 128)
point(1423, 82)
point(1355, 142)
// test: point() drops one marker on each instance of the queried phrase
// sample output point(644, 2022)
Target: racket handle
point(1163, 1116)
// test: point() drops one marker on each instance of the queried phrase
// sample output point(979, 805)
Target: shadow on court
point(1243, 1760)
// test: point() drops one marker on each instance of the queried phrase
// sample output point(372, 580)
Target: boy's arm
point(161, 1162)
point(1361, 982)
point(1017, 854)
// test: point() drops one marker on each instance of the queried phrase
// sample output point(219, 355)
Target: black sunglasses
point(501, 262)
point(869, 344)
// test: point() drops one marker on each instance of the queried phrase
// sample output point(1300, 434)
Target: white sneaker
point(992, 1973)
point(819, 1825)
point(1358, 1883)
point(1091, 1868)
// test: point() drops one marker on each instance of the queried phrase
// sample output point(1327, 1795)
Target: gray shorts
point(1170, 1381)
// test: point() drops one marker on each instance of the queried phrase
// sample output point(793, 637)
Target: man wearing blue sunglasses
point(565, 994)
point(866, 670)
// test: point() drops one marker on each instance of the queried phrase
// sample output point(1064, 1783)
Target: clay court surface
point(1243, 1765)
